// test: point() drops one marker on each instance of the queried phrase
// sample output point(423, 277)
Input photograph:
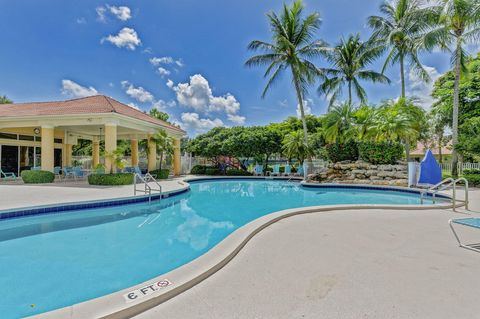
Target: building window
point(58, 140)
point(8, 136)
point(25, 138)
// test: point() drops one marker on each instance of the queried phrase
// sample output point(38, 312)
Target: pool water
point(52, 261)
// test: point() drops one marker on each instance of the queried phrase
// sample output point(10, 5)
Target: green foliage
point(294, 146)
point(5, 100)
point(350, 59)
point(237, 172)
point(198, 170)
point(159, 114)
point(338, 123)
point(338, 152)
point(163, 143)
point(212, 171)
point(160, 173)
point(380, 152)
point(37, 177)
point(473, 179)
point(111, 179)
point(472, 171)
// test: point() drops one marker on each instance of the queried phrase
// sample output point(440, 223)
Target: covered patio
point(44, 133)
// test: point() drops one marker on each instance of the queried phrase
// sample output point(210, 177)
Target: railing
point(147, 189)
point(442, 186)
point(460, 166)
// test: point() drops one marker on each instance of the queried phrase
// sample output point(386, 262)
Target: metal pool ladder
point(147, 189)
point(443, 185)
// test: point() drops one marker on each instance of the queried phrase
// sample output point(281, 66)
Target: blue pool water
point(52, 261)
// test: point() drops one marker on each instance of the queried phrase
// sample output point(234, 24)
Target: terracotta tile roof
point(421, 148)
point(86, 105)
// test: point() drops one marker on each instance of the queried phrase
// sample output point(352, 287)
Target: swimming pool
point(55, 260)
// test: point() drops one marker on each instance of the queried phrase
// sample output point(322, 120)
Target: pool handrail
point(147, 188)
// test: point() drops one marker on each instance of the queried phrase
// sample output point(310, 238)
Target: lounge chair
point(258, 171)
point(468, 222)
point(276, 170)
point(7, 175)
point(300, 171)
point(288, 170)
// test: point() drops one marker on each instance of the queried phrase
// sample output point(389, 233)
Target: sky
point(184, 57)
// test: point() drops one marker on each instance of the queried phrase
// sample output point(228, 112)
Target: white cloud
point(133, 105)
point(101, 17)
point(170, 83)
point(163, 72)
point(73, 89)
point(122, 13)
point(111, 85)
point(423, 90)
point(156, 61)
point(198, 95)
point(283, 103)
point(127, 37)
point(163, 105)
point(81, 20)
point(307, 107)
point(137, 93)
point(194, 122)
point(237, 119)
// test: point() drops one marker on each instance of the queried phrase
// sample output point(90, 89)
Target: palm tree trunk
point(456, 102)
point(402, 74)
point(350, 92)
point(440, 157)
point(302, 114)
point(161, 160)
point(407, 150)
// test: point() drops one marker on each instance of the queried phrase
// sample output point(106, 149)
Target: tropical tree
point(163, 144)
point(116, 158)
point(400, 30)
point(349, 60)
point(459, 24)
point(159, 114)
point(294, 146)
point(292, 49)
point(338, 123)
point(5, 100)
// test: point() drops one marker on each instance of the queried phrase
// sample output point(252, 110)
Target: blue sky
point(185, 57)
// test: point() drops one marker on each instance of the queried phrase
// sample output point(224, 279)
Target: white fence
point(461, 166)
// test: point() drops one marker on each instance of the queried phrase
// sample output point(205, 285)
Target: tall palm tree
point(5, 100)
point(349, 60)
point(292, 49)
point(400, 31)
point(459, 24)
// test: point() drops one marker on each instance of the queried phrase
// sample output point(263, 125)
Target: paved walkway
point(344, 264)
point(19, 195)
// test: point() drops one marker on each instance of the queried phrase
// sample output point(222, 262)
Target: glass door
point(9, 159)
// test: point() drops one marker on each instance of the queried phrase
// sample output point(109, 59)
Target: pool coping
point(185, 277)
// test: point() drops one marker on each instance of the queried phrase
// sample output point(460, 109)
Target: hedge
point(472, 171)
point(212, 171)
point(238, 172)
point(160, 173)
point(111, 179)
point(198, 170)
point(37, 177)
point(473, 179)
point(337, 152)
point(380, 153)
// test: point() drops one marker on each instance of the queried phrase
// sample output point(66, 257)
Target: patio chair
point(68, 172)
point(300, 171)
point(78, 172)
point(36, 168)
point(258, 171)
point(288, 170)
point(467, 222)
point(57, 170)
point(7, 175)
point(276, 170)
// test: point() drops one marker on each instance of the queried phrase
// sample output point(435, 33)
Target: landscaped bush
point(198, 169)
point(473, 179)
point(380, 153)
point(238, 172)
point(212, 171)
point(37, 177)
point(472, 171)
point(160, 173)
point(111, 179)
point(338, 152)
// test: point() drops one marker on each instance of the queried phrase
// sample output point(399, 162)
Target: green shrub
point(212, 171)
point(472, 171)
point(473, 179)
point(238, 172)
point(198, 170)
point(160, 173)
point(37, 177)
point(380, 153)
point(111, 179)
point(337, 152)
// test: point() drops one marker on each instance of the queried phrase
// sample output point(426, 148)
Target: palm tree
point(349, 60)
point(339, 123)
point(294, 146)
point(292, 49)
point(5, 100)
point(163, 143)
point(459, 24)
point(400, 31)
